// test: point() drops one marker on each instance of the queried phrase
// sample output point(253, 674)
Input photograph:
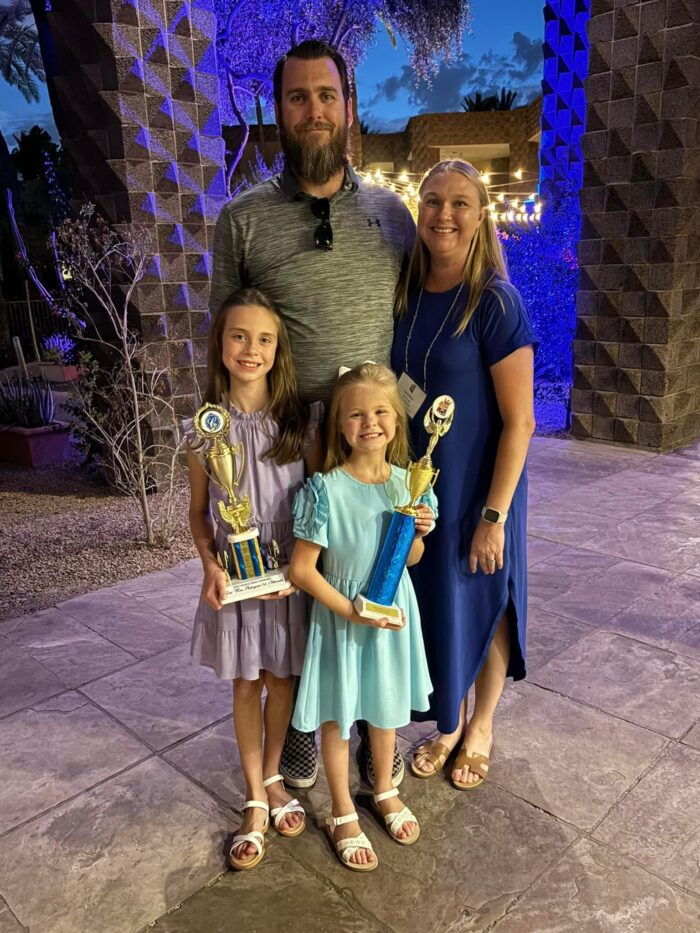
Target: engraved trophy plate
point(246, 572)
point(378, 602)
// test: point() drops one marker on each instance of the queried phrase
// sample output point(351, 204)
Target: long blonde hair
point(338, 449)
point(286, 408)
point(484, 264)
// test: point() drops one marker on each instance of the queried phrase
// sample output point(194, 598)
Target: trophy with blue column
point(246, 572)
point(378, 601)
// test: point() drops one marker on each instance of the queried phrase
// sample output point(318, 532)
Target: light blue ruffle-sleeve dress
point(354, 671)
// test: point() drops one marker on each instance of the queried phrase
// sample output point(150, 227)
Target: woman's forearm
point(510, 460)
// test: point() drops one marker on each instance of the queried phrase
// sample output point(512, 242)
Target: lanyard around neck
point(432, 343)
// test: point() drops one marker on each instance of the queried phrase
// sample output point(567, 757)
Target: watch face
point(491, 515)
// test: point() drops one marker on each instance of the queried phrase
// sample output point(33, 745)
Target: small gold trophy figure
point(378, 602)
point(226, 463)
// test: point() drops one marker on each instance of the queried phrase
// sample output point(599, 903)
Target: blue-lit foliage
point(543, 267)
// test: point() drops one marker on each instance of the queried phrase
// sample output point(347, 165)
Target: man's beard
point(313, 162)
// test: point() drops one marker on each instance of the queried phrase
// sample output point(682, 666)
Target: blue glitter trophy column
point(378, 601)
point(226, 463)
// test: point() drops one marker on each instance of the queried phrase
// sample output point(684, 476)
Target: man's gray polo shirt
point(338, 305)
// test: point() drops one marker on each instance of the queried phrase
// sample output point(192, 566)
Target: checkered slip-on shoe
point(364, 761)
point(299, 764)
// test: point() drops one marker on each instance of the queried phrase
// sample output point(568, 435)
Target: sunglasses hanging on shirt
point(323, 234)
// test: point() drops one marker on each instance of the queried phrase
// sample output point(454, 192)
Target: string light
point(505, 207)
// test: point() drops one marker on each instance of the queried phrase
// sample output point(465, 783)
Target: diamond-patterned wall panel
point(566, 65)
point(639, 340)
point(136, 104)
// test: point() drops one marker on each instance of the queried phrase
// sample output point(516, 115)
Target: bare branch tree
point(124, 404)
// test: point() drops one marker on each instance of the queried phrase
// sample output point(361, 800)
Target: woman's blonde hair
point(337, 448)
point(484, 263)
point(285, 408)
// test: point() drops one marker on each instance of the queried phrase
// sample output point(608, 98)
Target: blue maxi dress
point(460, 611)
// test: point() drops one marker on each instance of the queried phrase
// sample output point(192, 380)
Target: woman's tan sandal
point(479, 764)
point(396, 821)
point(346, 848)
point(279, 813)
point(256, 838)
point(436, 753)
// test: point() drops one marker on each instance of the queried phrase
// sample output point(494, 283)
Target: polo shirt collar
point(289, 183)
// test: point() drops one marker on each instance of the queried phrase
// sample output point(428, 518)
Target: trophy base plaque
point(371, 610)
point(271, 582)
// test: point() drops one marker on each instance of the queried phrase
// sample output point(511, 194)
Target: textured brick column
point(637, 364)
point(134, 90)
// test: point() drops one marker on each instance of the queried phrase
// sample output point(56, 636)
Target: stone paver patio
point(120, 781)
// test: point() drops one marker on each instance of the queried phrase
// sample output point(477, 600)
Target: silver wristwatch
point(493, 516)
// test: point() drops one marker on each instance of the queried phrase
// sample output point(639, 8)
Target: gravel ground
point(64, 533)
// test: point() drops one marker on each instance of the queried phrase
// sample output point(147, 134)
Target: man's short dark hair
point(311, 49)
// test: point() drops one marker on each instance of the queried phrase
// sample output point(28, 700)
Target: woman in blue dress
point(463, 331)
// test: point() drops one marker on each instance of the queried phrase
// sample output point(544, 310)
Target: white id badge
point(411, 394)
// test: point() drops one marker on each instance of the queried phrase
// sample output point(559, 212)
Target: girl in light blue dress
point(357, 668)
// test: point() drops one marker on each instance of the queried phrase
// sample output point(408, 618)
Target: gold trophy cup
point(225, 464)
point(378, 601)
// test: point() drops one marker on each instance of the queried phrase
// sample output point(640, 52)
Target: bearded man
point(328, 249)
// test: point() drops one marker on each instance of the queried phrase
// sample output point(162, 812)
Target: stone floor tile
point(646, 541)
point(666, 614)
point(164, 698)
point(677, 512)
point(23, 680)
point(56, 749)
point(178, 601)
point(600, 597)
point(630, 679)
point(558, 522)
point(621, 453)
point(72, 651)
point(8, 922)
point(565, 461)
point(119, 855)
point(542, 488)
point(572, 761)
point(539, 549)
point(692, 737)
point(674, 465)
point(469, 843)
point(129, 622)
point(149, 583)
point(278, 897)
point(558, 574)
point(548, 634)
point(594, 890)
point(689, 496)
point(660, 818)
point(211, 759)
point(189, 571)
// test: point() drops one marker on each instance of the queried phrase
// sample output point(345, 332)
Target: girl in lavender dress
point(257, 642)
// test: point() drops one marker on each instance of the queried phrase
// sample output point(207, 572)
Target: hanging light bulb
point(519, 174)
point(501, 197)
point(486, 178)
point(403, 178)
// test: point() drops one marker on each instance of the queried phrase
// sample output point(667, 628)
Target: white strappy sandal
point(394, 821)
point(346, 848)
point(279, 813)
point(256, 838)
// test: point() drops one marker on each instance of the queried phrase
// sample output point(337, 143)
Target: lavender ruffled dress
point(242, 639)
